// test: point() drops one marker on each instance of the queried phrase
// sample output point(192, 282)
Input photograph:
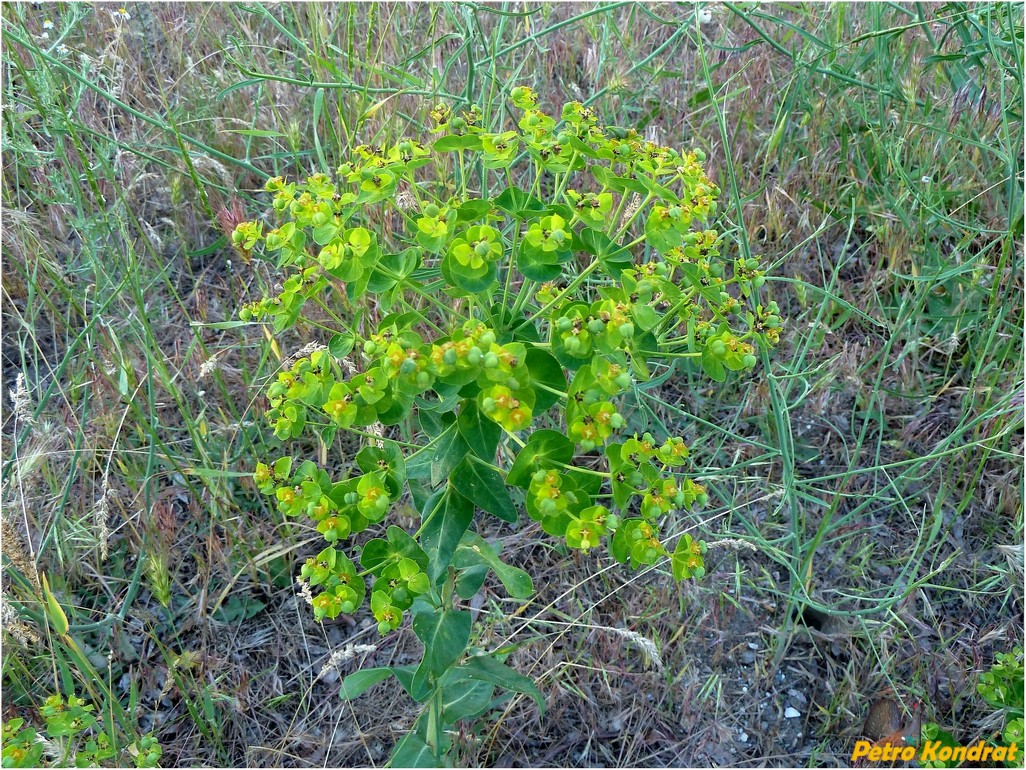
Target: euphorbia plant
point(523, 303)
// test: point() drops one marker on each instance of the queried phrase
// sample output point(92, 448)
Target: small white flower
point(44, 35)
point(121, 14)
point(62, 50)
point(704, 16)
point(47, 24)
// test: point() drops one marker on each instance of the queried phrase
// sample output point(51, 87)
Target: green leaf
point(713, 366)
point(582, 148)
point(606, 177)
point(399, 545)
point(520, 204)
point(473, 210)
point(326, 233)
point(470, 579)
point(463, 697)
point(450, 449)
point(359, 682)
point(389, 269)
point(461, 277)
point(660, 192)
point(619, 546)
point(613, 257)
point(341, 345)
point(481, 433)
point(437, 459)
point(645, 316)
point(538, 265)
point(451, 143)
point(445, 635)
point(404, 674)
point(412, 751)
point(485, 488)
point(54, 611)
point(688, 559)
point(447, 515)
point(487, 669)
point(545, 370)
point(545, 449)
point(639, 361)
point(475, 550)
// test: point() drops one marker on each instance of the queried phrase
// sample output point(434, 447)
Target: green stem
point(522, 295)
point(509, 267)
point(566, 178)
point(579, 469)
point(435, 726)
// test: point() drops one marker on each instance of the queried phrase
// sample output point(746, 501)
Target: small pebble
point(743, 738)
point(791, 713)
point(747, 656)
point(753, 646)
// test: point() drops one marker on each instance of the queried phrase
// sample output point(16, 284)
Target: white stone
point(791, 713)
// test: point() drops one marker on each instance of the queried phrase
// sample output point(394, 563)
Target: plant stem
point(434, 725)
